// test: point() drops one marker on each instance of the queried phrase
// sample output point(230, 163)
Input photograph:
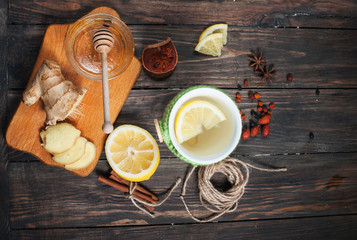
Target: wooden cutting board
point(28, 121)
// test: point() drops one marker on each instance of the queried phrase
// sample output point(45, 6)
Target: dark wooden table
point(316, 198)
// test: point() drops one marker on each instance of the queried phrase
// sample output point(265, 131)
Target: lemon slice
point(195, 115)
point(216, 28)
point(211, 45)
point(132, 153)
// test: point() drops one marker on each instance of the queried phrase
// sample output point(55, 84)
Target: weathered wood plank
point(244, 13)
point(323, 58)
point(321, 179)
point(4, 181)
point(314, 185)
point(333, 227)
point(329, 115)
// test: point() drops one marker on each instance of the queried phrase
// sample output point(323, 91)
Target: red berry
point(265, 108)
point(256, 95)
point(289, 77)
point(260, 103)
point(259, 108)
point(251, 95)
point(265, 130)
point(254, 131)
point(271, 105)
point(238, 95)
point(245, 134)
point(264, 120)
point(245, 82)
point(244, 117)
point(238, 100)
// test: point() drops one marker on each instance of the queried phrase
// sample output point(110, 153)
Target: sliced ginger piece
point(59, 138)
point(73, 154)
point(86, 159)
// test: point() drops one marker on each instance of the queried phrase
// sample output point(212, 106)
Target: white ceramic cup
point(229, 108)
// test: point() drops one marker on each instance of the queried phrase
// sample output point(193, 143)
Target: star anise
point(257, 61)
point(268, 73)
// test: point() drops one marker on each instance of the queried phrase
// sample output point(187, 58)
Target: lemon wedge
point(211, 44)
point(216, 28)
point(195, 115)
point(132, 152)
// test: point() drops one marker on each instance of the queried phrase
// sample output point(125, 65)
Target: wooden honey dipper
point(103, 42)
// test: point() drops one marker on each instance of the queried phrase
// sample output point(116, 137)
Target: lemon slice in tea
point(195, 115)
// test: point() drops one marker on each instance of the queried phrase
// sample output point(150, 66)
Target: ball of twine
point(214, 200)
point(222, 201)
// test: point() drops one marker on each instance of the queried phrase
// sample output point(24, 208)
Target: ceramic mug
point(219, 142)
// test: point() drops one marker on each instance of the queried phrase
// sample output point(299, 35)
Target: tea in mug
point(214, 140)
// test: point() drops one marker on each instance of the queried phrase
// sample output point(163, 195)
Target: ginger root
point(73, 154)
point(60, 97)
point(59, 138)
point(85, 160)
point(68, 148)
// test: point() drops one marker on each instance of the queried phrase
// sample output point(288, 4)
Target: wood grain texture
point(332, 227)
point(29, 121)
point(312, 186)
point(315, 199)
point(4, 181)
point(297, 113)
point(315, 57)
point(259, 13)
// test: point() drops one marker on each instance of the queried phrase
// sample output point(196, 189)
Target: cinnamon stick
point(125, 189)
point(138, 187)
point(136, 192)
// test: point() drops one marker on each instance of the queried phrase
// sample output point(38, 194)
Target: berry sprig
point(260, 118)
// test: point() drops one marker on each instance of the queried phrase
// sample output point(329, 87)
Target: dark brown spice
point(317, 92)
point(160, 59)
point(257, 61)
point(252, 123)
point(311, 135)
point(268, 73)
point(254, 114)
